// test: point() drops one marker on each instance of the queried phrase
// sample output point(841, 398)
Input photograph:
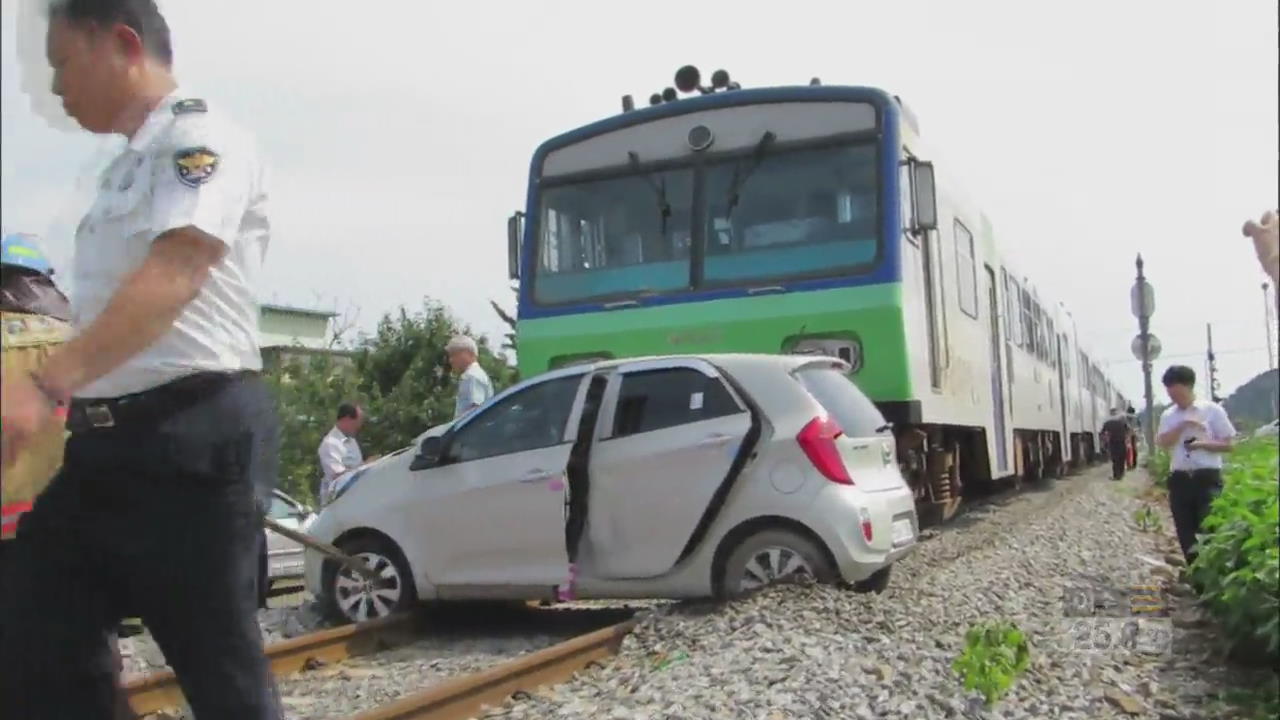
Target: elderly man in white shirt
point(339, 452)
point(474, 386)
point(1196, 433)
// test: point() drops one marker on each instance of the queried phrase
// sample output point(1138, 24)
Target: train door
point(1064, 442)
point(997, 374)
point(930, 262)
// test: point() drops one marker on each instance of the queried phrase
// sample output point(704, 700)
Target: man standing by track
point(172, 455)
point(1116, 431)
point(1197, 433)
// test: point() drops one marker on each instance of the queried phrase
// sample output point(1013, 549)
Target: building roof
point(297, 310)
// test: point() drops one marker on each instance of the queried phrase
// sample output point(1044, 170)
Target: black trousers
point(160, 521)
point(1190, 496)
point(1119, 460)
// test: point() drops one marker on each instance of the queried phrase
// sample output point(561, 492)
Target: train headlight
point(700, 138)
point(847, 349)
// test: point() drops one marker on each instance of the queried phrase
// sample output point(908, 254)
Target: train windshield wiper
point(740, 177)
point(659, 189)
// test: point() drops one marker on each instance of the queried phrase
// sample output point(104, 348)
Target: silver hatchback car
point(643, 478)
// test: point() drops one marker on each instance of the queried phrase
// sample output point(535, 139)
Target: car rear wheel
point(771, 556)
point(349, 597)
point(876, 582)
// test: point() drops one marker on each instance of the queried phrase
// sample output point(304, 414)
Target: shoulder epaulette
point(190, 105)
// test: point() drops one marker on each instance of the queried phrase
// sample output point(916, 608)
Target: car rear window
point(855, 412)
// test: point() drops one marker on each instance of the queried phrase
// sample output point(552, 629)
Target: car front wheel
point(771, 556)
point(349, 597)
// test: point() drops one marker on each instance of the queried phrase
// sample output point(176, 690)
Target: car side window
point(527, 420)
point(280, 509)
point(655, 399)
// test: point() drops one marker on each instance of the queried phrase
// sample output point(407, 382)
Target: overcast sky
point(400, 133)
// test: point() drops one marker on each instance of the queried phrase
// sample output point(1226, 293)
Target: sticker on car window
point(695, 401)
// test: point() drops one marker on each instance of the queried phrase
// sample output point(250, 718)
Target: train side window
point(906, 199)
point(1028, 323)
point(966, 271)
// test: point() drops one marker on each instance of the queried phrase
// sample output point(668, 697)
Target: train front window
point(799, 214)
point(613, 238)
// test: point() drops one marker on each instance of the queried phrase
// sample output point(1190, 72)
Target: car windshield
point(280, 508)
point(857, 415)
point(772, 215)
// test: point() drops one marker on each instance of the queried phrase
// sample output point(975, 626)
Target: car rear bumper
point(837, 520)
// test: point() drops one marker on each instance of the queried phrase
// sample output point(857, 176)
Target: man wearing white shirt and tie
point(339, 452)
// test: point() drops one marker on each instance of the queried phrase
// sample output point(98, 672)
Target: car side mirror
point(428, 453)
point(515, 232)
point(926, 196)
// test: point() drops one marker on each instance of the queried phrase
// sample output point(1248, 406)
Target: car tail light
point(864, 518)
point(818, 440)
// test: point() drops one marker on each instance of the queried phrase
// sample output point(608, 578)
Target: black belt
point(149, 406)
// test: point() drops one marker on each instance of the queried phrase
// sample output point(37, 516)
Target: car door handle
point(534, 476)
point(714, 440)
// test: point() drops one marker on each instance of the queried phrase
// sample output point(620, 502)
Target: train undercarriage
point(946, 464)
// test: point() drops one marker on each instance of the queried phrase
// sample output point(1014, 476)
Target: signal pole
point(1213, 366)
point(1142, 301)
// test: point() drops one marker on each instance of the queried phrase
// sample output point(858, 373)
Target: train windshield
point(800, 214)
point(769, 217)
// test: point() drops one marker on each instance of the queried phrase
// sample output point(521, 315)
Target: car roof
point(728, 361)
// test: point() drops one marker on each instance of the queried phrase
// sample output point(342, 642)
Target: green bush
point(1158, 467)
point(1238, 562)
point(995, 653)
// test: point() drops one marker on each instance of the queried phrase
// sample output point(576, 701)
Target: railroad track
point(466, 694)
point(325, 656)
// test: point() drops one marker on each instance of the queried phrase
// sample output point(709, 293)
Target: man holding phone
point(1196, 433)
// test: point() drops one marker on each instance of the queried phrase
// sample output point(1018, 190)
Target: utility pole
point(1267, 309)
point(1213, 366)
point(1142, 301)
point(1271, 322)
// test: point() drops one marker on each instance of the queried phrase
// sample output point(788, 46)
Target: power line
point(1199, 354)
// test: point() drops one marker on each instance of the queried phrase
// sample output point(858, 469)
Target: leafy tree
point(509, 319)
point(400, 376)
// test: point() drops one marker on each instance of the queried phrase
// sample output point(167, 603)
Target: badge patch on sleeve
point(196, 165)
point(190, 105)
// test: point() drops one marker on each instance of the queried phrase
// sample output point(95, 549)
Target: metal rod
point(354, 563)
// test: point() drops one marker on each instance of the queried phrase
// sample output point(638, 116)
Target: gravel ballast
point(817, 652)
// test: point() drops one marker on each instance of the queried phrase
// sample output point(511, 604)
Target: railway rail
point(464, 695)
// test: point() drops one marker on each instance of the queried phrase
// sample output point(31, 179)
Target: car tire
point(770, 556)
point(343, 597)
point(876, 582)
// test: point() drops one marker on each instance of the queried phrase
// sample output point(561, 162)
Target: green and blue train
point(805, 219)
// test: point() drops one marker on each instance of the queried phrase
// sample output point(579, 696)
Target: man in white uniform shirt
point(1196, 433)
point(157, 509)
point(339, 452)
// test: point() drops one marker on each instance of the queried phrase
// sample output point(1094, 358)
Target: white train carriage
point(1012, 392)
